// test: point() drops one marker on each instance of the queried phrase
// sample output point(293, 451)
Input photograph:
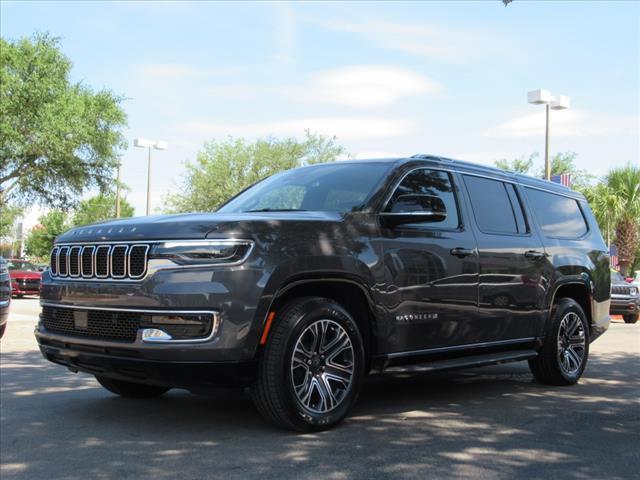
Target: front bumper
point(624, 305)
point(18, 290)
point(154, 365)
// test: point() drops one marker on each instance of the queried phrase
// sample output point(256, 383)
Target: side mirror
point(414, 209)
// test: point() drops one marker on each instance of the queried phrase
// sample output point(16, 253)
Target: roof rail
point(426, 156)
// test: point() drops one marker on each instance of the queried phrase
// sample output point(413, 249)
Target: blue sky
point(387, 79)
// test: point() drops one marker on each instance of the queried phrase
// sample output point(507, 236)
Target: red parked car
point(25, 277)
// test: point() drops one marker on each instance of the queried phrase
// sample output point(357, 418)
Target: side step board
point(464, 362)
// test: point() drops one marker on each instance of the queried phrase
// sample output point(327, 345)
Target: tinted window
point(496, 205)
point(558, 216)
point(328, 187)
point(430, 182)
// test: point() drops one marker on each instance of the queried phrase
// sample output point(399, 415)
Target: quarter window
point(496, 206)
point(558, 216)
point(437, 183)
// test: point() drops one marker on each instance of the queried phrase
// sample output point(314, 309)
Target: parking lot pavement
point(493, 422)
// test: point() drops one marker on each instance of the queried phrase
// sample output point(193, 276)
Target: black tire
point(3, 327)
point(273, 391)
point(633, 318)
point(130, 389)
point(547, 367)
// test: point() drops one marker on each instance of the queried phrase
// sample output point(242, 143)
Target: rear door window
point(496, 206)
point(558, 216)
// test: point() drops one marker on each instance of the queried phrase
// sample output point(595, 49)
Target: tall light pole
point(149, 144)
point(118, 191)
point(560, 102)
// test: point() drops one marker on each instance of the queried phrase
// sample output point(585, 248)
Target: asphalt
point(493, 423)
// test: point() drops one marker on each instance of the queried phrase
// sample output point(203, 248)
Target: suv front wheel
point(565, 351)
point(312, 366)
point(633, 318)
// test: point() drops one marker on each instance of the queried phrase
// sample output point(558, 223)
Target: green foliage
point(562, 163)
point(616, 205)
point(517, 165)
point(99, 208)
point(8, 216)
point(39, 242)
point(57, 138)
point(223, 169)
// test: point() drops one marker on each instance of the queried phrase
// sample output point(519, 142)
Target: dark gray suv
point(309, 280)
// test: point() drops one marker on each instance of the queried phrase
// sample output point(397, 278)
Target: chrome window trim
point(95, 261)
point(93, 249)
point(146, 262)
point(125, 265)
point(79, 247)
point(216, 321)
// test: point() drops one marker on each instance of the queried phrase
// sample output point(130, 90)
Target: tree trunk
point(626, 243)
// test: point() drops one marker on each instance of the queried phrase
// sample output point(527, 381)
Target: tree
point(564, 162)
point(99, 208)
point(57, 138)
point(624, 183)
point(604, 204)
point(39, 242)
point(517, 165)
point(224, 168)
point(8, 216)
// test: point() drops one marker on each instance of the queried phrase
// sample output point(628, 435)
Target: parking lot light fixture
point(560, 102)
point(149, 144)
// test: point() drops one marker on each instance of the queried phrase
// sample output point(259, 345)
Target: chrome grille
point(620, 290)
point(119, 261)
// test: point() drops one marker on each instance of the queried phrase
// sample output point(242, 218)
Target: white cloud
point(345, 128)
point(570, 123)
point(415, 38)
point(363, 86)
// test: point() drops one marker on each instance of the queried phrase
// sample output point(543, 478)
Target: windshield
point(21, 265)
point(331, 187)
point(616, 276)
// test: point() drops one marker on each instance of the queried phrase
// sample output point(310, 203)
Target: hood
point(24, 274)
point(191, 226)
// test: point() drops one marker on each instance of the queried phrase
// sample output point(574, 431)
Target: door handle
point(462, 252)
point(534, 254)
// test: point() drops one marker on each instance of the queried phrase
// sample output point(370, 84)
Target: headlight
point(3, 268)
point(633, 291)
point(203, 252)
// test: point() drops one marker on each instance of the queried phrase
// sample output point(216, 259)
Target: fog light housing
point(155, 335)
point(172, 327)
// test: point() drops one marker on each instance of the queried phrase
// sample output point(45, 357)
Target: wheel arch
point(352, 294)
point(576, 290)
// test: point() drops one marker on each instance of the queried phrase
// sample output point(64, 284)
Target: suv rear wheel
point(129, 389)
point(564, 354)
point(311, 369)
point(630, 318)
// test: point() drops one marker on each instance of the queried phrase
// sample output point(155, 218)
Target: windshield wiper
point(276, 210)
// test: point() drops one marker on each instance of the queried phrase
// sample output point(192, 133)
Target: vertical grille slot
point(53, 264)
point(138, 260)
point(118, 261)
point(102, 261)
point(63, 269)
point(74, 261)
point(87, 261)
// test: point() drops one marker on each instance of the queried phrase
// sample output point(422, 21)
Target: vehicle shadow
point(494, 420)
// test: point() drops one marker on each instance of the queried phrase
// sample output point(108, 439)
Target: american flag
point(613, 257)
point(563, 179)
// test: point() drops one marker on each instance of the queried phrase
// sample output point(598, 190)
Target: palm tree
point(604, 204)
point(624, 184)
